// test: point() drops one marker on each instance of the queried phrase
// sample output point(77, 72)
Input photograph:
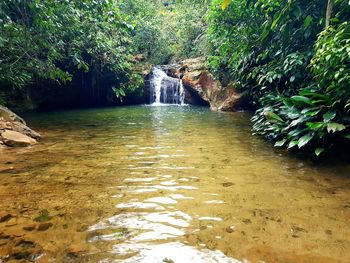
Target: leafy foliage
point(167, 30)
point(89, 46)
point(50, 39)
point(52, 43)
point(295, 71)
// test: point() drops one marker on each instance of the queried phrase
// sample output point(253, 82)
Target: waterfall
point(165, 89)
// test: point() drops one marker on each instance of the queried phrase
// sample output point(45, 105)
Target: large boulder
point(16, 139)
point(220, 98)
point(14, 131)
point(201, 83)
point(18, 127)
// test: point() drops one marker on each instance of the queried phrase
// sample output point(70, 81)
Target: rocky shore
point(14, 131)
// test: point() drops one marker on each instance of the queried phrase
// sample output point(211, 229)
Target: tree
point(329, 12)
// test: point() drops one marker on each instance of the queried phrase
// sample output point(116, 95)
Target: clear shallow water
point(167, 184)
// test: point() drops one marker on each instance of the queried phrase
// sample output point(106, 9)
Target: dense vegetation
point(167, 31)
point(291, 58)
point(88, 51)
point(295, 68)
point(47, 42)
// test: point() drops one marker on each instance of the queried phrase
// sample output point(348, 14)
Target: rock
point(220, 98)
point(3, 242)
point(25, 244)
point(328, 232)
point(297, 230)
point(75, 250)
point(203, 88)
point(11, 222)
point(167, 260)
point(44, 226)
point(230, 229)
point(14, 131)
point(14, 139)
point(19, 127)
point(227, 184)
point(82, 228)
point(30, 227)
point(7, 170)
point(15, 231)
point(10, 116)
point(246, 221)
point(5, 216)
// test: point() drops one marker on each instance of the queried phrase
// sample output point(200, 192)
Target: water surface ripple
point(167, 184)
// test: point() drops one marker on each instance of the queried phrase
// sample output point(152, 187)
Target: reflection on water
point(167, 184)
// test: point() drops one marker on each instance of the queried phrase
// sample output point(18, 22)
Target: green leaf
point(330, 115)
point(273, 116)
point(313, 94)
point(308, 21)
point(305, 139)
point(315, 125)
point(302, 99)
point(335, 127)
point(122, 92)
point(274, 23)
point(297, 122)
point(265, 34)
point(292, 144)
point(319, 151)
point(280, 143)
point(296, 132)
point(312, 113)
point(347, 136)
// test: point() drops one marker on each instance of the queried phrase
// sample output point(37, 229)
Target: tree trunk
point(329, 12)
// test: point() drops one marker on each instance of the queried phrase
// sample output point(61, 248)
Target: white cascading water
point(165, 89)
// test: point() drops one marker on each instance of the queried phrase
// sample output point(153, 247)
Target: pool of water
point(167, 184)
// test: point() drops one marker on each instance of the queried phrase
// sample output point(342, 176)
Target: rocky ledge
point(14, 131)
point(200, 83)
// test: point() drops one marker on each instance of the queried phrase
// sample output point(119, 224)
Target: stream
point(167, 184)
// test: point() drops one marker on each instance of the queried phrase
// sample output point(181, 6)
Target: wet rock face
point(14, 132)
point(201, 84)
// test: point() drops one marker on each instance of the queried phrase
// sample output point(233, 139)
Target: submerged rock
point(11, 222)
point(29, 227)
point(44, 226)
point(227, 184)
point(230, 229)
point(5, 216)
